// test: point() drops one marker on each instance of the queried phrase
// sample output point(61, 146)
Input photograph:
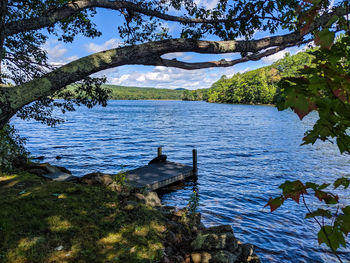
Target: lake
point(244, 153)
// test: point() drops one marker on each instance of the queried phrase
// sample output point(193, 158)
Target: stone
point(218, 229)
point(39, 158)
point(152, 199)
point(221, 256)
point(253, 259)
point(97, 179)
point(51, 172)
point(247, 254)
point(137, 197)
point(215, 241)
point(130, 205)
point(177, 259)
point(247, 250)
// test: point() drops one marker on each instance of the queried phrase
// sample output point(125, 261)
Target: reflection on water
point(244, 154)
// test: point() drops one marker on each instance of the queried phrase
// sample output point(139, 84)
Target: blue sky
point(149, 76)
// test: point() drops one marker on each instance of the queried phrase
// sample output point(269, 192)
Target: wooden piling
point(159, 151)
point(195, 167)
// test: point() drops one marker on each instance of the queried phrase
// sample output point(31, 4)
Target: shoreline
point(177, 235)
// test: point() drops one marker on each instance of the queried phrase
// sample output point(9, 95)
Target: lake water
point(244, 153)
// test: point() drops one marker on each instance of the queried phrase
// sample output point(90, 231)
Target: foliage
point(324, 87)
point(11, 148)
point(193, 203)
point(334, 225)
point(259, 86)
point(25, 59)
point(49, 221)
point(135, 93)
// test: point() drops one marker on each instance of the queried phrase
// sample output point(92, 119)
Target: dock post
point(194, 156)
point(159, 151)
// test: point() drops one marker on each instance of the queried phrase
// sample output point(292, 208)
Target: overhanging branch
point(52, 17)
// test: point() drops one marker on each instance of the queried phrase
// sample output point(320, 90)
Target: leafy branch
point(332, 234)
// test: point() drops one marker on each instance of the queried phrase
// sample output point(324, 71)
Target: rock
point(247, 250)
point(176, 259)
point(218, 229)
point(39, 158)
point(97, 179)
point(58, 157)
point(215, 241)
point(138, 198)
point(221, 256)
point(51, 172)
point(20, 162)
point(152, 199)
point(169, 251)
point(131, 205)
point(159, 159)
point(37, 171)
point(247, 254)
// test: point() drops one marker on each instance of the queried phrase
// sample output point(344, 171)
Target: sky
point(150, 76)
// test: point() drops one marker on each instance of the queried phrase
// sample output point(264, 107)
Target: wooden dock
point(158, 175)
point(151, 177)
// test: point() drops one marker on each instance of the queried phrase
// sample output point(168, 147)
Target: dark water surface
point(244, 154)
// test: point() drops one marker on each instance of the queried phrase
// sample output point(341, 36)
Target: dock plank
point(157, 175)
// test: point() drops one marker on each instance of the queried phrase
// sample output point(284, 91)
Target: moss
point(46, 221)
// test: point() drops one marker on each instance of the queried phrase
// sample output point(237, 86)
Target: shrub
point(12, 149)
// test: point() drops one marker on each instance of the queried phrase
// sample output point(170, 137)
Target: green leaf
point(342, 181)
point(346, 210)
point(293, 190)
point(275, 203)
point(324, 38)
point(332, 21)
point(343, 147)
point(343, 221)
point(332, 237)
point(311, 185)
point(319, 212)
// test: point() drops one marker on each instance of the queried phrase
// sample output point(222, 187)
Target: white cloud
point(173, 55)
point(209, 4)
point(112, 43)
point(56, 52)
point(163, 77)
point(54, 49)
point(274, 57)
point(187, 58)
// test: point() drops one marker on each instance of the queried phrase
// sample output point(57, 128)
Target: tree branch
point(143, 54)
point(53, 16)
point(221, 63)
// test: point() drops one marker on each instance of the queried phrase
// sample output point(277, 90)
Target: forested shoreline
point(259, 86)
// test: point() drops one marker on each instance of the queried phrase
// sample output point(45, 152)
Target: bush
point(12, 149)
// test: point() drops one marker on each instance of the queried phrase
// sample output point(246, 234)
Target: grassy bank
point(47, 221)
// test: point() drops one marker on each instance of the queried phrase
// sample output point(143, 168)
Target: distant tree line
point(259, 86)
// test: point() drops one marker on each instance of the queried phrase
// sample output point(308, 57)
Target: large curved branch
point(222, 63)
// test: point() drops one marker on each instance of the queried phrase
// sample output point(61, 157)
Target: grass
point(47, 221)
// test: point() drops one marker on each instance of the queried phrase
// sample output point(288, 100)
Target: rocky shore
point(186, 238)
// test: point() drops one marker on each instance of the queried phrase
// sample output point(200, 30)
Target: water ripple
point(244, 153)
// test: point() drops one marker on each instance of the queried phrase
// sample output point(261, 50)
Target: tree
point(26, 24)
